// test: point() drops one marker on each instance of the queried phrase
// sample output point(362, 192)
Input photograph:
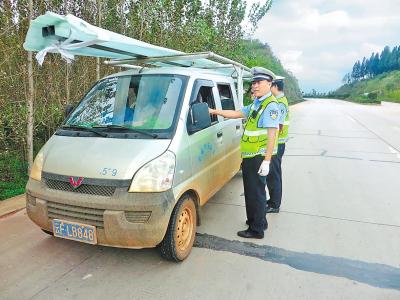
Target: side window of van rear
point(205, 95)
point(225, 94)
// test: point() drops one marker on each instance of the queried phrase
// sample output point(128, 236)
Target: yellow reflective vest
point(254, 139)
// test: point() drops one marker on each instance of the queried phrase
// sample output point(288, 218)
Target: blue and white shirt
point(268, 118)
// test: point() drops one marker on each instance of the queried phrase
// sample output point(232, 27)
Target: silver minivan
point(136, 160)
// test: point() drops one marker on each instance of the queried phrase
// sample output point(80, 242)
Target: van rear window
point(226, 97)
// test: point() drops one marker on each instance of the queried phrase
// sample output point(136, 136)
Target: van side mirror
point(68, 109)
point(199, 117)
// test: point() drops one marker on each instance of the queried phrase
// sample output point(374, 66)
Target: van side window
point(225, 94)
point(205, 95)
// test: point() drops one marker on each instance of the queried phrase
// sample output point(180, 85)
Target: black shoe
point(265, 226)
point(250, 234)
point(270, 209)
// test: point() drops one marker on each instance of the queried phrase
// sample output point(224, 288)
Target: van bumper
point(127, 220)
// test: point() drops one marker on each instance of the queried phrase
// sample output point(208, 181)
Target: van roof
point(193, 72)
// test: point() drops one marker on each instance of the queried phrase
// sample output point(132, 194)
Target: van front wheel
point(46, 231)
point(178, 240)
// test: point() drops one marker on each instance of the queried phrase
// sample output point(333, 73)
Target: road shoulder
point(12, 205)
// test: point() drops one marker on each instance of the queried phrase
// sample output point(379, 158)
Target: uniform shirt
point(282, 109)
point(270, 116)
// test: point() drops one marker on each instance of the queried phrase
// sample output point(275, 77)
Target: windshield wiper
point(114, 126)
point(80, 127)
point(111, 126)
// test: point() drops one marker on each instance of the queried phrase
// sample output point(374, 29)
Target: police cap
point(260, 73)
point(279, 78)
point(279, 83)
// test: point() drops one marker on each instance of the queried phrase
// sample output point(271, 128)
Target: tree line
point(386, 61)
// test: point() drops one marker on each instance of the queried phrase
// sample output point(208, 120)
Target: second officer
point(274, 179)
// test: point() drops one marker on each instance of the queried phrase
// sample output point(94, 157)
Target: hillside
point(384, 87)
point(254, 53)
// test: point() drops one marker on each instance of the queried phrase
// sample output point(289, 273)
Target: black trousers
point(274, 178)
point(254, 193)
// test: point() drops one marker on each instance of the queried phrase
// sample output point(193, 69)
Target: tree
point(369, 67)
point(375, 65)
point(392, 60)
point(384, 60)
point(99, 9)
point(347, 78)
point(257, 12)
point(363, 69)
point(30, 99)
point(356, 73)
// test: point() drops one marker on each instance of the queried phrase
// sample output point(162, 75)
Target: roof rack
point(189, 60)
point(178, 58)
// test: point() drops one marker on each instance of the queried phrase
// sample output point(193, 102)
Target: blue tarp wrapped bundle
point(69, 36)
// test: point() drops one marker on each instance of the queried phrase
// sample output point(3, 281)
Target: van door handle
point(237, 126)
point(219, 134)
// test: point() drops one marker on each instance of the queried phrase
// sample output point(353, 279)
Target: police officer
point(274, 178)
point(258, 144)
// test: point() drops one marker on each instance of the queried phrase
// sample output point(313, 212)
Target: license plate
point(75, 231)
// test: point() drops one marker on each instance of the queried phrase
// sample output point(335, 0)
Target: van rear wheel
point(178, 240)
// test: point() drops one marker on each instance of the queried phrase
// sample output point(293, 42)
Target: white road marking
point(352, 119)
point(392, 150)
point(87, 276)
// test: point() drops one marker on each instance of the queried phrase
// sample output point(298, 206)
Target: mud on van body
point(136, 159)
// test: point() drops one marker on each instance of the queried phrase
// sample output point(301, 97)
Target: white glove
point(264, 168)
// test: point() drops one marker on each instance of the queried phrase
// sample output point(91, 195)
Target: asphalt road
point(337, 235)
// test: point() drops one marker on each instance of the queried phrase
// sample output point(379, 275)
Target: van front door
point(232, 131)
point(207, 145)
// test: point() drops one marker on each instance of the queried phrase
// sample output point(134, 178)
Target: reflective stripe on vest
point(282, 140)
point(256, 133)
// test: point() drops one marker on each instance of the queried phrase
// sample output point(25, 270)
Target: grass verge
point(13, 174)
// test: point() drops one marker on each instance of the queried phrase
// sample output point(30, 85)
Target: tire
point(178, 241)
point(48, 232)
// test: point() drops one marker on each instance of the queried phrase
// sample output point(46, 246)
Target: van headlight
point(155, 176)
point(36, 171)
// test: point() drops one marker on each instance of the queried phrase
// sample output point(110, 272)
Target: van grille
point(85, 215)
point(137, 216)
point(99, 190)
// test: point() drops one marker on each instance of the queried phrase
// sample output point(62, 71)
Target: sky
point(319, 41)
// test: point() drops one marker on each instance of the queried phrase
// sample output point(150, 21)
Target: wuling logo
point(77, 183)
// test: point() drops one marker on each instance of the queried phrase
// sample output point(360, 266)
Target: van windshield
point(147, 103)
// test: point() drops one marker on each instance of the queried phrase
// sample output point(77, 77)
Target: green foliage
point(254, 53)
point(388, 60)
point(384, 87)
point(372, 96)
point(13, 179)
point(257, 12)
